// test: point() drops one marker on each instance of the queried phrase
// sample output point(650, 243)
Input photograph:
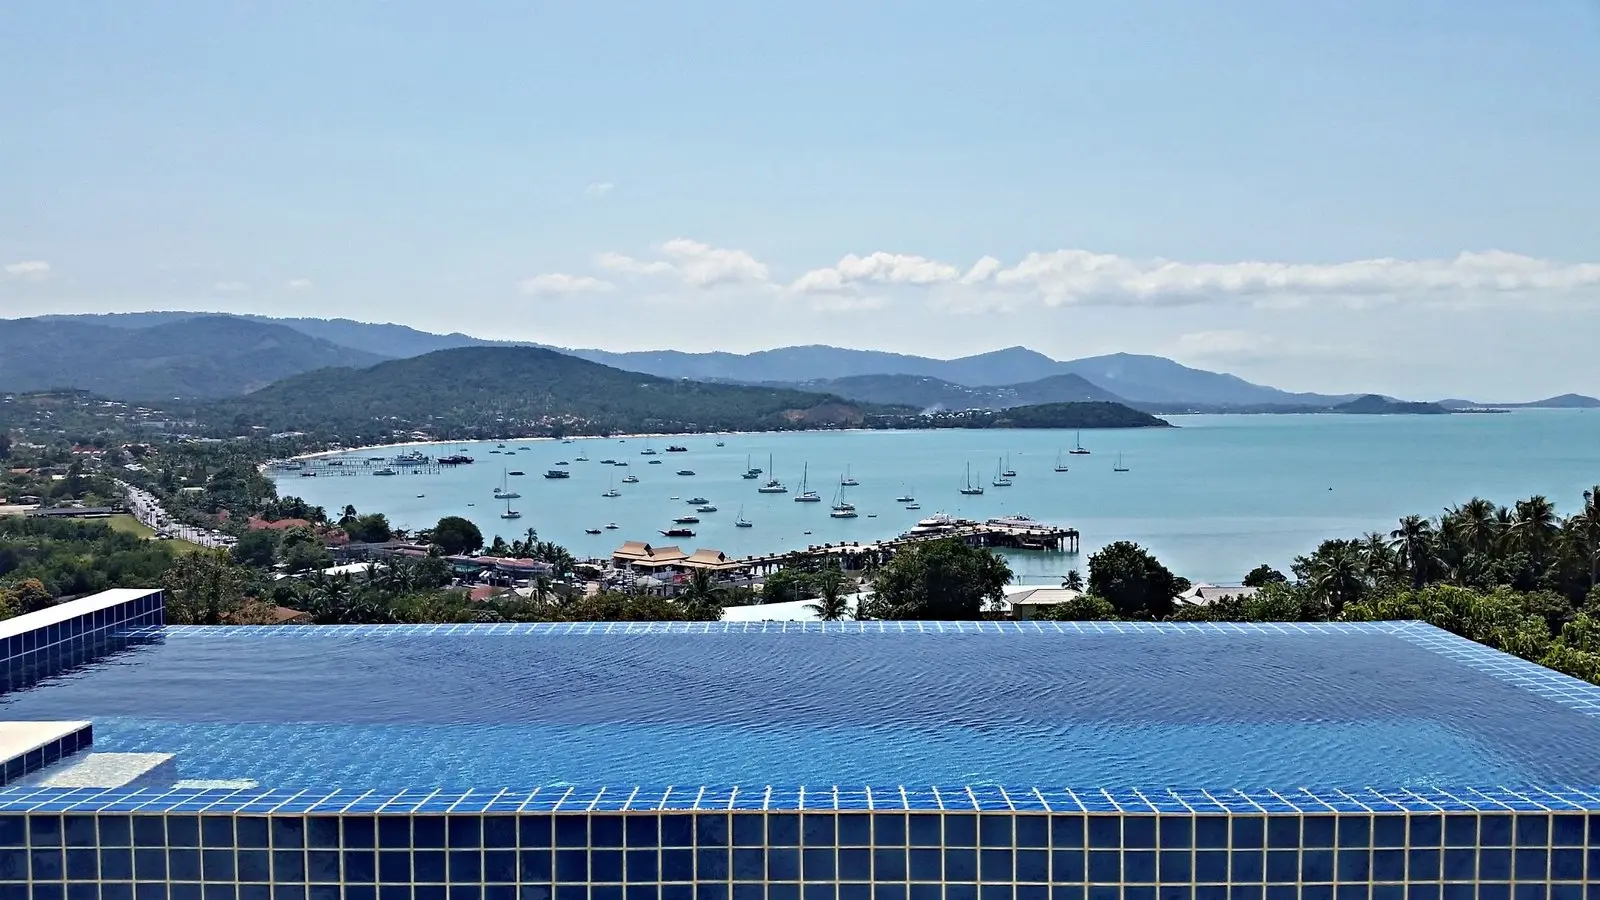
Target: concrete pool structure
point(750, 841)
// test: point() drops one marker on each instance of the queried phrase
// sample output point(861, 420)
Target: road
point(147, 509)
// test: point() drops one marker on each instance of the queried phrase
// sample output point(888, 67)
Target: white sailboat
point(848, 481)
point(773, 485)
point(842, 508)
point(1119, 467)
point(1060, 466)
point(612, 491)
point(749, 472)
point(503, 492)
point(970, 487)
point(1079, 450)
point(1009, 472)
point(741, 521)
point(806, 495)
point(1000, 479)
point(510, 513)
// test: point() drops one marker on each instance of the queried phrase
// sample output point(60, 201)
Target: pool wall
point(798, 856)
point(764, 843)
point(41, 644)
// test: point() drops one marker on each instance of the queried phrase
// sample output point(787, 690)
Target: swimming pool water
point(392, 710)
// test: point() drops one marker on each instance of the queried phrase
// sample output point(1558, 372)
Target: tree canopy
point(1133, 581)
point(455, 535)
point(943, 579)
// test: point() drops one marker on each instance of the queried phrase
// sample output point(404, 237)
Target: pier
point(344, 468)
point(1017, 533)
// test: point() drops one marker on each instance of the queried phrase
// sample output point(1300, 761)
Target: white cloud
point(299, 284)
point(28, 269)
point(598, 189)
point(560, 283)
point(230, 287)
point(876, 268)
point(1073, 277)
point(695, 264)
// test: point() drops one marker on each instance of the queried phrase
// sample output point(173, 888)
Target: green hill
point(490, 391)
point(926, 392)
point(1374, 405)
point(195, 358)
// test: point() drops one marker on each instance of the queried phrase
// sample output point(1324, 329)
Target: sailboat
point(648, 450)
point(1000, 479)
point(749, 473)
point(502, 492)
point(847, 481)
point(971, 488)
point(1079, 450)
point(842, 508)
point(510, 513)
point(806, 495)
point(906, 497)
point(612, 490)
point(1009, 472)
point(1119, 467)
point(741, 521)
point(773, 485)
point(1060, 466)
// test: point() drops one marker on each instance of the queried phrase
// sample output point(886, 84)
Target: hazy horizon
point(1389, 197)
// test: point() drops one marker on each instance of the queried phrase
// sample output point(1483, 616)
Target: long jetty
point(993, 533)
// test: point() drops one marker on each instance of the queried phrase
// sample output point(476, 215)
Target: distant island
point(1043, 415)
point(1374, 405)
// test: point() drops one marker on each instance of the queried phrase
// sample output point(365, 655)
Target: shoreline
point(323, 454)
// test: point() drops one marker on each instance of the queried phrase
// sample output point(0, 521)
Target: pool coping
point(568, 799)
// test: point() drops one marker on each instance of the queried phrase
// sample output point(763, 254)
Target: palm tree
point(701, 599)
point(1413, 542)
point(1336, 571)
point(1473, 524)
point(1534, 527)
point(831, 604)
point(1378, 560)
point(1073, 581)
point(1586, 525)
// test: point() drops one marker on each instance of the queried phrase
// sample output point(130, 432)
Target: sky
point(1371, 195)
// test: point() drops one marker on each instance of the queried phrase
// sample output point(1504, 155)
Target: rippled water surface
point(1212, 497)
point(1130, 710)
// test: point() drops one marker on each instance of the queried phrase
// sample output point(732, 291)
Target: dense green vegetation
point(1045, 415)
point(70, 558)
point(480, 392)
point(1520, 579)
point(938, 580)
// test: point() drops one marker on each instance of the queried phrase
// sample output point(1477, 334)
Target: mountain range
point(159, 355)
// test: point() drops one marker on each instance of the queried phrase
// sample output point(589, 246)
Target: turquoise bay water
point(1211, 498)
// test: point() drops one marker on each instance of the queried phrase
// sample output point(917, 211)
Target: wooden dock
point(344, 468)
point(857, 554)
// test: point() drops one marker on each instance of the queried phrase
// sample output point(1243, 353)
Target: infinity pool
point(1392, 706)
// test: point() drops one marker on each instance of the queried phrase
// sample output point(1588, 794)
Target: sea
point(1212, 497)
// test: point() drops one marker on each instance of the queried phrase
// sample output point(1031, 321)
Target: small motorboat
point(698, 500)
point(705, 508)
point(677, 532)
point(655, 462)
point(516, 472)
point(591, 531)
point(686, 520)
point(685, 471)
point(611, 526)
point(630, 479)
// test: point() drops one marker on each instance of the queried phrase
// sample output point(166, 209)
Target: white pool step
point(109, 770)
